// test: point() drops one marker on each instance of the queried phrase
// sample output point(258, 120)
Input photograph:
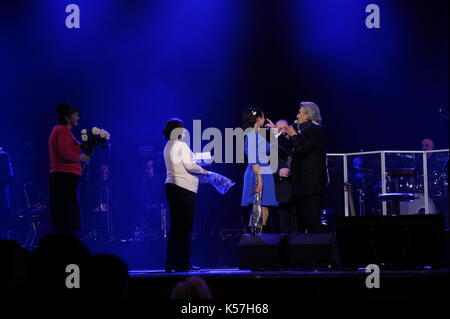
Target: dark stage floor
point(318, 284)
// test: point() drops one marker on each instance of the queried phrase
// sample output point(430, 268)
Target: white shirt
point(180, 165)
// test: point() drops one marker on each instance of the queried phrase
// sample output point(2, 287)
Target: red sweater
point(64, 150)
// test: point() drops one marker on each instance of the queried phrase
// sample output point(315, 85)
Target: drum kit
point(437, 184)
point(437, 189)
point(437, 193)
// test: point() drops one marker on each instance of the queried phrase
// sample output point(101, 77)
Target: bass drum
point(417, 206)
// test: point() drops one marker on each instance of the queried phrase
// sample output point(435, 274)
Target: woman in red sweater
point(65, 170)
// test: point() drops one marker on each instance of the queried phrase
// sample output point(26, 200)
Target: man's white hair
point(312, 110)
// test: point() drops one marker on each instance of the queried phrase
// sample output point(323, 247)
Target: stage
point(168, 132)
point(219, 262)
point(312, 284)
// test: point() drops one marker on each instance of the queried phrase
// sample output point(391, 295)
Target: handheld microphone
point(295, 123)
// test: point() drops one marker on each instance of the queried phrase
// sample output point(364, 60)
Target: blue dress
point(257, 150)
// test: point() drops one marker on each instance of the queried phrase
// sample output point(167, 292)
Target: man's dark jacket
point(283, 185)
point(309, 170)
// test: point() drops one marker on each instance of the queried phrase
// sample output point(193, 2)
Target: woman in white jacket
point(181, 189)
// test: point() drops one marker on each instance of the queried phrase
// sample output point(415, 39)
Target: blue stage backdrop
point(133, 64)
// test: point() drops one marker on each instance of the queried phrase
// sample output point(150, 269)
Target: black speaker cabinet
point(260, 251)
point(405, 241)
point(311, 251)
point(287, 251)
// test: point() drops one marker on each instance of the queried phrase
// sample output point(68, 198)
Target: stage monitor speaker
point(391, 241)
point(311, 251)
point(287, 251)
point(260, 251)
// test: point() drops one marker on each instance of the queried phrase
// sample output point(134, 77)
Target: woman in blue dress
point(258, 177)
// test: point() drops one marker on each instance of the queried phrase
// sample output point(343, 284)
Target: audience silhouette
point(107, 277)
point(192, 288)
point(44, 273)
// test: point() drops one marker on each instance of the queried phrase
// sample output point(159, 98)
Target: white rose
point(84, 138)
point(83, 131)
point(95, 131)
point(102, 133)
point(107, 136)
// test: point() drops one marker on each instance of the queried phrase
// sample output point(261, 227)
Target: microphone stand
point(445, 166)
point(442, 116)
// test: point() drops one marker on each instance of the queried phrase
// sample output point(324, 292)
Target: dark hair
point(172, 124)
point(250, 116)
point(63, 110)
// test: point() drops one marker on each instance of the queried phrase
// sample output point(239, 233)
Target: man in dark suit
point(309, 169)
point(284, 218)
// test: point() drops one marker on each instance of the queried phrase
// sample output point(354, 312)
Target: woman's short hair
point(64, 110)
point(249, 117)
point(171, 125)
point(312, 110)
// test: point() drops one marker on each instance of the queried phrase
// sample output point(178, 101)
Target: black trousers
point(309, 212)
point(284, 218)
point(64, 203)
point(182, 207)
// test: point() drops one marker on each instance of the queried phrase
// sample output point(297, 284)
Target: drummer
point(435, 162)
point(427, 144)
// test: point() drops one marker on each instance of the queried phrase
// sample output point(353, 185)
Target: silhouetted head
point(106, 276)
point(191, 288)
point(13, 266)
point(55, 252)
point(427, 144)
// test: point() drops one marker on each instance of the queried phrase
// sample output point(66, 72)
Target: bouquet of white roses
point(93, 138)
